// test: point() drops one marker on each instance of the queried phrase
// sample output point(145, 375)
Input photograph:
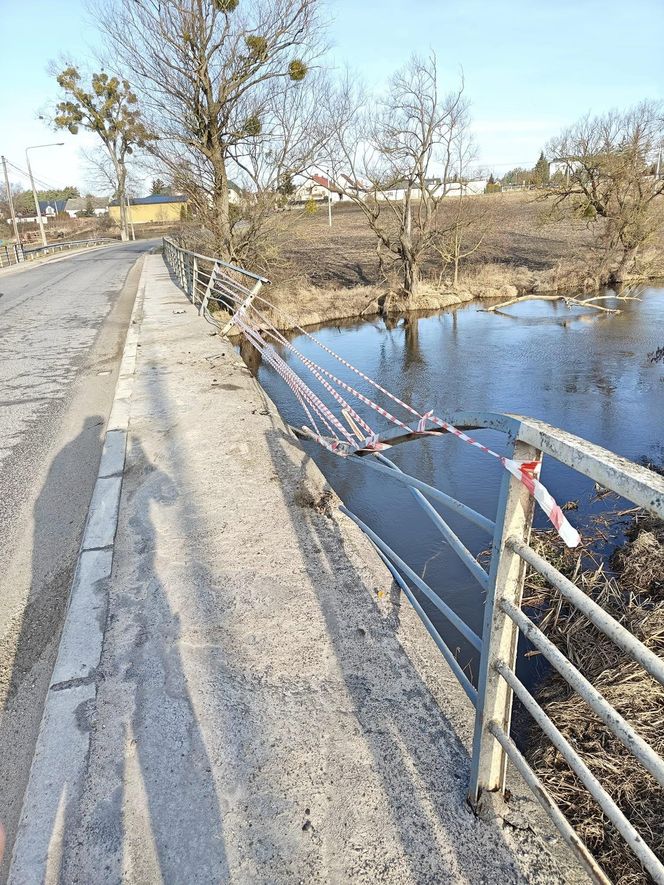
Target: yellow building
point(143, 210)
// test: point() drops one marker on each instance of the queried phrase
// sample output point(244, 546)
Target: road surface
point(62, 327)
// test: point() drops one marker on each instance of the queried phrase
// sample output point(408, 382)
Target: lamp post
point(32, 182)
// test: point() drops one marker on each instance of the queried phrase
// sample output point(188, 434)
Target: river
point(578, 369)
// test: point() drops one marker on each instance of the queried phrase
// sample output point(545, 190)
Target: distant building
point(563, 166)
point(144, 210)
point(76, 205)
point(467, 188)
point(29, 219)
point(434, 186)
point(51, 208)
point(234, 193)
point(318, 188)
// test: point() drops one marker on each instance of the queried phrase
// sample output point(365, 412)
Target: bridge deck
point(260, 711)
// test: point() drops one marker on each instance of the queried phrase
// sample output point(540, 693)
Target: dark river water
point(586, 372)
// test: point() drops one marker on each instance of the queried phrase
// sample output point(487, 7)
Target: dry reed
point(634, 595)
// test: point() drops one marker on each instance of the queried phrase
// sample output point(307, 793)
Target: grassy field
point(345, 254)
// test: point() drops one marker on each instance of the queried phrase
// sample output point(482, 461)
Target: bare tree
point(462, 230)
point(100, 174)
point(465, 217)
point(607, 179)
point(212, 75)
point(395, 159)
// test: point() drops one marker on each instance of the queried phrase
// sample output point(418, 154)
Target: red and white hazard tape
point(525, 472)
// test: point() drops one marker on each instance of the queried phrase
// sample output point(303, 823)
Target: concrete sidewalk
point(266, 708)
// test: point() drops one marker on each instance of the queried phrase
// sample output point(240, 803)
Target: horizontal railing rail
point(528, 440)
point(16, 254)
point(38, 251)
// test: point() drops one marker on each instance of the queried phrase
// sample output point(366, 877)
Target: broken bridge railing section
point(338, 417)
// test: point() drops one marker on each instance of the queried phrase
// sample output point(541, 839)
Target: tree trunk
point(121, 173)
point(624, 265)
point(221, 223)
point(411, 277)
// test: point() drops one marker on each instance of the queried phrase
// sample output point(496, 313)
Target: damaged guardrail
point(206, 280)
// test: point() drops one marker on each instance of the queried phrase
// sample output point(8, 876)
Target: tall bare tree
point(607, 180)
point(109, 109)
point(212, 75)
point(396, 158)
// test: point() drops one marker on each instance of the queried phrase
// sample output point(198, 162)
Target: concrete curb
point(61, 753)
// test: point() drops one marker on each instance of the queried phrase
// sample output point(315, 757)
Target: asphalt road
point(62, 328)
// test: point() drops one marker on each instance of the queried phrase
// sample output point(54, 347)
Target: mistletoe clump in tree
point(231, 93)
point(109, 109)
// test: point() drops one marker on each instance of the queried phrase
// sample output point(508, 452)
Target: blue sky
point(530, 67)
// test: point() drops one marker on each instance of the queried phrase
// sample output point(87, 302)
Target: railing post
point(500, 635)
point(194, 281)
point(208, 289)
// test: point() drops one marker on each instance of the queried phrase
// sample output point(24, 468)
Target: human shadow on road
point(151, 796)
point(29, 652)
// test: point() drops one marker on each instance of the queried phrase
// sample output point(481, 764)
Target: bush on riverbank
point(634, 596)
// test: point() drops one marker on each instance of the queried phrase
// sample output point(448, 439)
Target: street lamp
point(32, 182)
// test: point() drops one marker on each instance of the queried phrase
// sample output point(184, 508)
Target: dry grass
point(634, 596)
point(345, 255)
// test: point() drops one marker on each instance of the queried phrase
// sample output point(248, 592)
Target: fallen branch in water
point(568, 301)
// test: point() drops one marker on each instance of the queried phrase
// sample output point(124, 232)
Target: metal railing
point(204, 280)
point(52, 248)
point(17, 254)
point(10, 254)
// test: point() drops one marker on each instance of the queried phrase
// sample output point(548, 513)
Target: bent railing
point(528, 440)
point(206, 279)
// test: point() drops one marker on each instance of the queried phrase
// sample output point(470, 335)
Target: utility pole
point(11, 201)
point(40, 220)
point(34, 190)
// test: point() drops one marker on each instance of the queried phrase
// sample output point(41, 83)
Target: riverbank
point(288, 306)
point(304, 305)
point(631, 591)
